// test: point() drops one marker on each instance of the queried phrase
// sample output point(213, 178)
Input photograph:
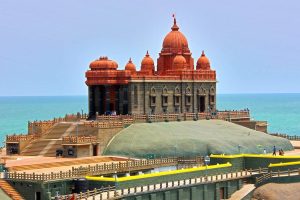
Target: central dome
point(175, 39)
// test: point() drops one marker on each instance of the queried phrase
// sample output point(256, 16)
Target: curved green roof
point(191, 138)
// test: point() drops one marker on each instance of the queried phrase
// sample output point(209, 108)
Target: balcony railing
point(79, 139)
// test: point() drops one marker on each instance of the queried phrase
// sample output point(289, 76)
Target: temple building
point(175, 85)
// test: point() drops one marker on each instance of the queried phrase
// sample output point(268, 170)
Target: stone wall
point(195, 192)
point(106, 134)
point(255, 125)
point(140, 94)
point(29, 189)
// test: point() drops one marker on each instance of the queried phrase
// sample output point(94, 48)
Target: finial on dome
point(147, 54)
point(174, 18)
point(174, 27)
point(203, 54)
point(130, 61)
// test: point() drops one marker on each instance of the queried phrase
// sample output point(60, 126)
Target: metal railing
point(98, 169)
point(113, 192)
point(289, 137)
point(266, 176)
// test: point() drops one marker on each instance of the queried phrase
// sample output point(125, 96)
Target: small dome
point(203, 62)
point(147, 64)
point(179, 63)
point(130, 67)
point(147, 60)
point(103, 63)
point(175, 40)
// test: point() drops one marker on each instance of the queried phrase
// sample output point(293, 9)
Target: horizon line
point(76, 95)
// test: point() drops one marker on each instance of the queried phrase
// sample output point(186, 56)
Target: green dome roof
point(191, 138)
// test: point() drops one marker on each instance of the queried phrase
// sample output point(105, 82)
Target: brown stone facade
point(154, 97)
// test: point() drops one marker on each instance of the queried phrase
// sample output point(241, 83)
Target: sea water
point(282, 111)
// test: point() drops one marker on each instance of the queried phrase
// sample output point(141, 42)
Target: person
point(279, 152)
point(274, 151)
point(265, 151)
point(282, 153)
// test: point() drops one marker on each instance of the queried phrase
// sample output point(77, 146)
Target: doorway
point(95, 150)
point(222, 193)
point(38, 196)
point(202, 104)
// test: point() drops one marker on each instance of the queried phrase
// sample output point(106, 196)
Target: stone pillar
point(97, 99)
point(91, 98)
point(194, 195)
point(153, 196)
point(107, 98)
point(121, 99)
point(205, 192)
point(117, 99)
point(228, 190)
point(217, 191)
point(239, 184)
point(180, 194)
point(167, 195)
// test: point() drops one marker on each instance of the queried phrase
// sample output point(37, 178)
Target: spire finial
point(174, 27)
point(130, 61)
point(174, 18)
point(203, 54)
point(147, 54)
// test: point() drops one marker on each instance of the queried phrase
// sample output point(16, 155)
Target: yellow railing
point(253, 156)
point(158, 174)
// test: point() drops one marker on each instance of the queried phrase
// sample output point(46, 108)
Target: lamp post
point(115, 179)
point(206, 161)
point(239, 148)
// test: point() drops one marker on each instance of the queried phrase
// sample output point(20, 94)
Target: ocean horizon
point(281, 110)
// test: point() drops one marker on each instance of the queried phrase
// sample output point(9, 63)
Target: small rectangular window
point(165, 100)
point(212, 98)
point(188, 99)
point(153, 99)
point(177, 99)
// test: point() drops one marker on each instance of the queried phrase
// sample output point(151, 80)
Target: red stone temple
point(175, 85)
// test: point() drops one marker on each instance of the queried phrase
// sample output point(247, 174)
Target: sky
point(46, 46)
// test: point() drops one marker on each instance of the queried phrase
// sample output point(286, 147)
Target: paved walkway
point(246, 189)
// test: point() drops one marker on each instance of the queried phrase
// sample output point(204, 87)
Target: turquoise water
point(282, 111)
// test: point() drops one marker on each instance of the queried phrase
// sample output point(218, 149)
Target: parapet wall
point(255, 125)
point(41, 127)
point(256, 161)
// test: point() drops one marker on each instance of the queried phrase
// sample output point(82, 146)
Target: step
point(9, 190)
point(246, 189)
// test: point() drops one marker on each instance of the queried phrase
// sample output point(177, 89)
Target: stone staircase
point(9, 190)
point(52, 140)
point(48, 143)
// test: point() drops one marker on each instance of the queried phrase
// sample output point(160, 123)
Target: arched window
point(177, 96)
point(152, 97)
point(188, 96)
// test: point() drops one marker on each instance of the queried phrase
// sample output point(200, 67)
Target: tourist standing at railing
point(274, 151)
